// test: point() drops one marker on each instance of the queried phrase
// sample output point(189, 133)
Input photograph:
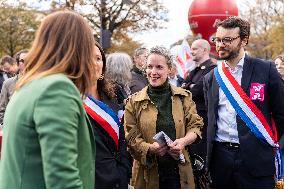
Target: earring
point(101, 77)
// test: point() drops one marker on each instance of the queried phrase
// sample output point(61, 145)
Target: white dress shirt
point(226, 122)
point(173, 81)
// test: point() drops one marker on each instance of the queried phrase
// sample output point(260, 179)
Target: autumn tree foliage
point(266, 18)
point(17, 28)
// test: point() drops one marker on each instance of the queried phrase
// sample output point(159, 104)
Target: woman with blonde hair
point(166, 110)
point(47, 141)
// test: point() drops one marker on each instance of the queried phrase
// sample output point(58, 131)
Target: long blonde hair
point(63, 44)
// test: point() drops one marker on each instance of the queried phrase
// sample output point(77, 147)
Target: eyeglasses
point(225, 40)
point(21, 61)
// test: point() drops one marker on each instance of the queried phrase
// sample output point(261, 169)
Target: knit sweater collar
point(162, 89)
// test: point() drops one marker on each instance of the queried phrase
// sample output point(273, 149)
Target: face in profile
point(142, 59)
point(197, 51)
point(22, 61)
point(280, 66)
point(157, 70)
point(173, 72)
point(99, 60)
point(11, 69)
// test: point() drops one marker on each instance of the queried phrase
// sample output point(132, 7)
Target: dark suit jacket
point(257, 156)
point(138, 81)
point(196, 77)
point(112, 166)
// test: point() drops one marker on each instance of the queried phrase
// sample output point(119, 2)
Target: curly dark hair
point(234, 22)
point(104, 85)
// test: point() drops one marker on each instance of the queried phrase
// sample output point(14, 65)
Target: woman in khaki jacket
point(161, 107)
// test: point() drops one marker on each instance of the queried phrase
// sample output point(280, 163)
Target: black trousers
point(228, 172)
point(200, 148)
point(169, 179)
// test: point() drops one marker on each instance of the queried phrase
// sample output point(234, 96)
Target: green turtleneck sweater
point(161, 96)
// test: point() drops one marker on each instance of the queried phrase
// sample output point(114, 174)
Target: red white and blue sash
point(248, 112)
point(104, 116)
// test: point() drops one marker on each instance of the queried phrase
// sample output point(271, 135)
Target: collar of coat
point(143, 95)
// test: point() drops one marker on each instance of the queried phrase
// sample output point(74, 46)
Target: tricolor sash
point(104, 116)
point(248, 112)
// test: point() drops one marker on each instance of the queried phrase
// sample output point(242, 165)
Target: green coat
point(47, 141)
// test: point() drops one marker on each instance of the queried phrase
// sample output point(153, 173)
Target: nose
point(154, 71)
point(220, 44)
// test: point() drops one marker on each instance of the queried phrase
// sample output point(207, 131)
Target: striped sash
point(248, 112)
point(104, 116)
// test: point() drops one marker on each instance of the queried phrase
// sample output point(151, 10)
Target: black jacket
point(112, 165)
point(1, 80)
point(196, 77)
point(257, 156)
point(138, 81)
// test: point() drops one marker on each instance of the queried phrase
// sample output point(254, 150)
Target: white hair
point(118, 68)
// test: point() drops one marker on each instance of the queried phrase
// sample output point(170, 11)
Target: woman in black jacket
point(112, 164)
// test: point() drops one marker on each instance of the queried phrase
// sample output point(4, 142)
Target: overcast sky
point(177, 27)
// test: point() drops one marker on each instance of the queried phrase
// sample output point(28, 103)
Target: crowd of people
point(75, 117)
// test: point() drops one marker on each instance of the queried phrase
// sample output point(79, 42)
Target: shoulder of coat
point(180, 91)
point(131, 97)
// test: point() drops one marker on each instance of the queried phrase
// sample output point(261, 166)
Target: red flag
point(183, 59)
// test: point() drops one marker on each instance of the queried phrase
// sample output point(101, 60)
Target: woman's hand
point(178, 145)
point(158, 149)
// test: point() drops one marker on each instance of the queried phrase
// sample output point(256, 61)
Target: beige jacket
point(140, 121)
point(6, 93)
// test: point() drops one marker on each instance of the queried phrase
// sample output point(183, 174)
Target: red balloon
point(203, 15)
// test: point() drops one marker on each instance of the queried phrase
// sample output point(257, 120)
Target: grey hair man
point(139, 79)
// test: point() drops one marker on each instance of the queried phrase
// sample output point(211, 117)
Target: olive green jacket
point(140, 121)
point(47, 141)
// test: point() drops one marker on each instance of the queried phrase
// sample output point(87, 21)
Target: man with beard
point(243, 95)
point(9, 85)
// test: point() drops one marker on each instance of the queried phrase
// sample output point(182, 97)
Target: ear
point(244, 42)
point(169, 70)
